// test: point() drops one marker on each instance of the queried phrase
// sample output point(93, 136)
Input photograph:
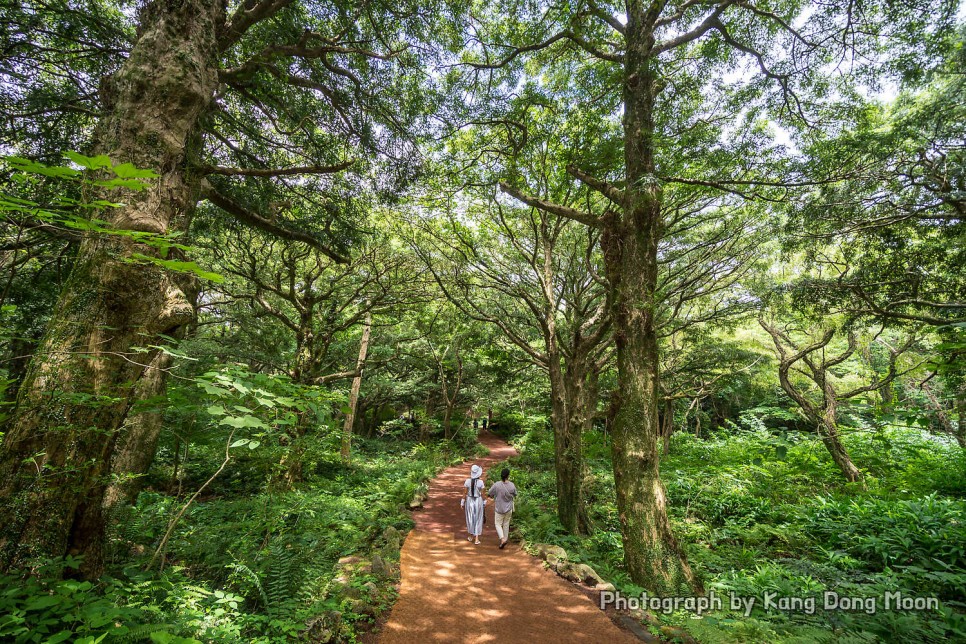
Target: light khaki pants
point(503, 524)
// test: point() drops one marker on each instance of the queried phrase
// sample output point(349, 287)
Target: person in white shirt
point(503, 492)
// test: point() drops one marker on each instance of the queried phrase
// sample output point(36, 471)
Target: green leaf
point(163, 637)
point(130, 184)
point(216, 410)
point(241, 422)
point(49, 171)
point(91, 163)
point(239, 443)
point(128, 171)
point(45, 601)
point(180, 266)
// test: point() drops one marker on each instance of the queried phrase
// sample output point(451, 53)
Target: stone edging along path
point(454, 591)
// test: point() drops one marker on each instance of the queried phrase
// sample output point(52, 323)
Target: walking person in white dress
point(473, 503)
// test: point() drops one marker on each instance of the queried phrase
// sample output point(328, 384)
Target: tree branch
point(555, 209)
point(277, 172)
point(249, 13)
point(614, 23)
point(615, 194)
point(255, 220)
point(709, 23)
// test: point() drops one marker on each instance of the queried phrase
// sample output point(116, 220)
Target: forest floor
point(455, 591)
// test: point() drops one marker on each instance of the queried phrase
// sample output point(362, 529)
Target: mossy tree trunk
point(568, 454)
point(350, 417)
point(652, 555)
point(137, 442)
point(56, 455)
point(574, 397)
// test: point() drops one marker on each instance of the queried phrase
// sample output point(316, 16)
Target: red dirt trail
point(455, 591)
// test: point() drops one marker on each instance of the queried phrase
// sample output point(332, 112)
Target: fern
point(280, 575)
point(140, 632)
point(242, 568)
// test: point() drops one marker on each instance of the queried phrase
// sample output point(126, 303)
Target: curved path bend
point(455, 591)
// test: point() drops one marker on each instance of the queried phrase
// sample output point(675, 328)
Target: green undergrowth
point(764, 512)
point(253, 568)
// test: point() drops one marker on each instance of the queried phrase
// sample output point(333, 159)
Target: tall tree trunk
point(448, 421)
point(20, 351)
point(666, 420)
point(57, 452)
point(651, 553)
point(137, 442)
point(568, 457)
point(961, 414)
point(350, 417)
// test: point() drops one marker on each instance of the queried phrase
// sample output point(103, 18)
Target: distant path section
point(455, 591)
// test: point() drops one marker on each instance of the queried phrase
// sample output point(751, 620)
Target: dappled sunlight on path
point(455, 591)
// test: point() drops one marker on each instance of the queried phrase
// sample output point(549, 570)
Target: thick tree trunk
point(651, 553)
point(354, 392)
point(56, 455)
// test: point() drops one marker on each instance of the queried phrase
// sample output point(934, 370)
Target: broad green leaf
point(91, 163)
point(180, 266)
point(45, 601)
point(129, 184)
point(128, 171)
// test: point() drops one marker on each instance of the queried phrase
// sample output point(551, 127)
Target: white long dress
point(474, 506)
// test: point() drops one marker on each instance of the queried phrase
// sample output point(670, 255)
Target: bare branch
point(615, 194)
point(585, 218)
point(249, 13)
point(709, 23)
point(614, 23)
point(563, 35)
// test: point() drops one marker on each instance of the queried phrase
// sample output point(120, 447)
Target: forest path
point(455, 591)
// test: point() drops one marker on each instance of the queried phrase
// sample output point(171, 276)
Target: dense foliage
point(266, 266)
